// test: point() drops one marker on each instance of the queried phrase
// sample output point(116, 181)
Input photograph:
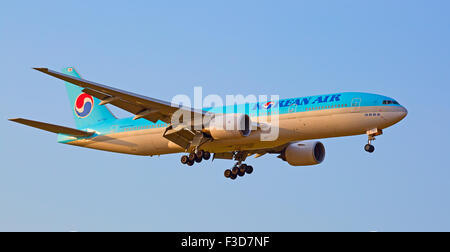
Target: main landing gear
point(238, 170)
point(195, 157)
point(371, 134)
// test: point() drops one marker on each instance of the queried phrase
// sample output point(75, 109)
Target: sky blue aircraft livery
point(287, 128)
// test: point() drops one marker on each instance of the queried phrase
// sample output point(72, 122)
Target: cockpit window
point(387, 102)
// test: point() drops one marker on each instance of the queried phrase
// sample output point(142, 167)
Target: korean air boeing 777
point(151, 131)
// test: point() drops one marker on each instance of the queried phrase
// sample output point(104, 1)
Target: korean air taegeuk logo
point(84, 104)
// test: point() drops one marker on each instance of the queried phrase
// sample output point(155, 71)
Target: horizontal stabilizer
point(53, 128)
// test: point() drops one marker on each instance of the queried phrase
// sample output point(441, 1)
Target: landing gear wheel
point(369, 148)
point(227, 173)
point(234, 171)
point(190, 163)
point(242, 169)
point(198, 159)
point(184, 159)
point(206, 155)
point(199, 154)
point(249, 169)
point(233, 176)
point(192, 157)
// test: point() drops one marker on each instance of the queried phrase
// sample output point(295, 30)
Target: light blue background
point(291, 48)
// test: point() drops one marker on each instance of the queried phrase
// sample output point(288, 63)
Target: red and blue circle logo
point(84, 104)
point(268, 105)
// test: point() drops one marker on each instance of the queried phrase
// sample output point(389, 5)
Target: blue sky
point(291, 48)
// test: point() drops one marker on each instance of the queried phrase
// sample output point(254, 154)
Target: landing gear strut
point(371, 134)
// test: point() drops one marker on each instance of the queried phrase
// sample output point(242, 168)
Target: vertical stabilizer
point(86, 109)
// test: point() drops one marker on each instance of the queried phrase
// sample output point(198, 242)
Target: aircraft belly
point(145, 143)
point(111, 143)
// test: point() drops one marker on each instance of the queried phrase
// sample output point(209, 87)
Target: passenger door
point(356, 104)
point(115, 129)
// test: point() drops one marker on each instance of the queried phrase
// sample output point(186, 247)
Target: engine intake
point(304, 153)
point(228, 126)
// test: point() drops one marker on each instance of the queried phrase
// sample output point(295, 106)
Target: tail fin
point(87, 110)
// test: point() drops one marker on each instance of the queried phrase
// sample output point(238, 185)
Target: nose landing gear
point(371, 134)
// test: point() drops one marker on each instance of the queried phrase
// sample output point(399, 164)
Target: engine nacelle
point(304, 153)
point(229, 126)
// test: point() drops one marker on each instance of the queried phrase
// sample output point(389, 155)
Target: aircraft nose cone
point(402, 113)
point(395, 114)
point(399, 114)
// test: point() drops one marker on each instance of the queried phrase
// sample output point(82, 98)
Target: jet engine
point(303, 153)
point(229, 126)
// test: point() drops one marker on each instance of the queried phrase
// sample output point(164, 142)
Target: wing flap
point(53, 128)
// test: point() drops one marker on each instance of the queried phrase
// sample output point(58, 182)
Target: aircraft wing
point(53, 128)
point(141, 106)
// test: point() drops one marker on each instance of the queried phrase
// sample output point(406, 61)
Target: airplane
point(150, 132)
